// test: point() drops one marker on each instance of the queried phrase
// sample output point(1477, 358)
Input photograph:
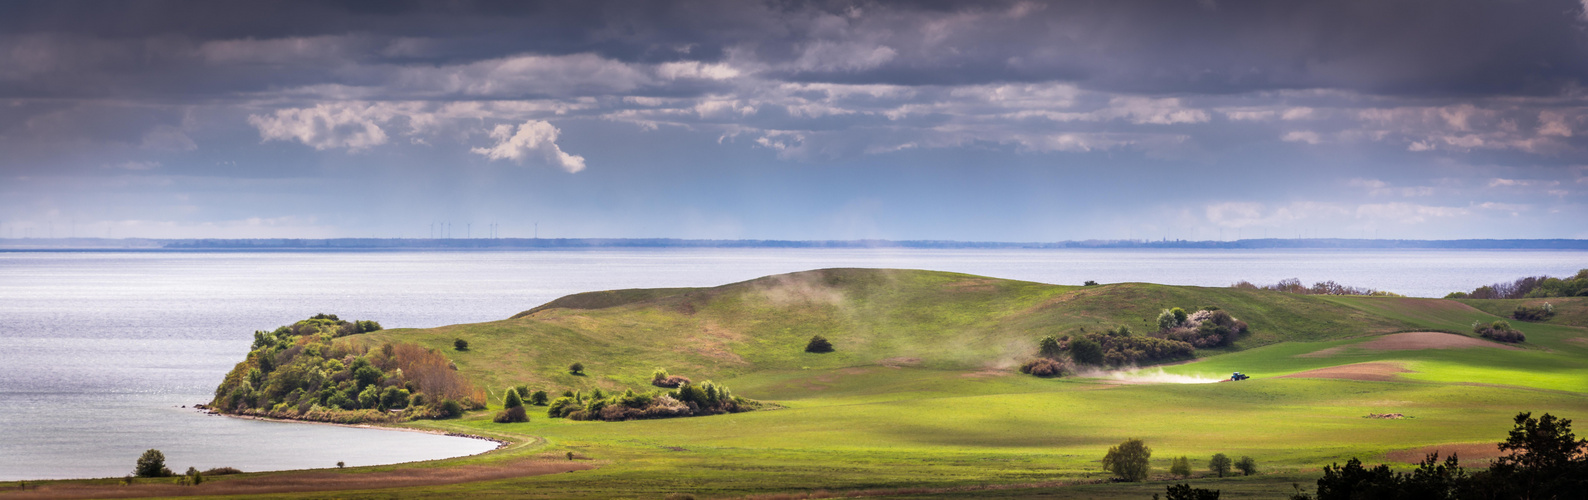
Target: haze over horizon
point(822, 120)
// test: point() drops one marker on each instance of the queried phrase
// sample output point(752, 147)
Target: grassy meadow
point(922, 399)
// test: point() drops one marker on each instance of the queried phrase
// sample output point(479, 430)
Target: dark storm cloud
point(1210, 114)
point(1396, 47)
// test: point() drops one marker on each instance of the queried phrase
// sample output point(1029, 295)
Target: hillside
point(933, 319)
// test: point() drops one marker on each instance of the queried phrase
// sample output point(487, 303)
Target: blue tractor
point(1239, 376)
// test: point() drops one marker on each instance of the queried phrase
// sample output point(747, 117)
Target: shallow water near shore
point(100, 350)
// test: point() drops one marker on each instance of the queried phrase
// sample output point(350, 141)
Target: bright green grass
point(957, 416)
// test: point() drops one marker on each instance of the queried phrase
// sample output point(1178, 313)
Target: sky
point(972, 121)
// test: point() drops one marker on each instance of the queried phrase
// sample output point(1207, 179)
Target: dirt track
point(308, 481)
point(1470, 454)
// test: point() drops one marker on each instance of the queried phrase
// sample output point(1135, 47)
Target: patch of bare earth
point(900, 362)
point(1411, 341)
point(1579, 340)
point(990, 372)
point(308, 481)
point(1470, 454)
point(1378, 371)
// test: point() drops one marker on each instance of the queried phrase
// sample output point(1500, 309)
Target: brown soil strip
point(1578, 340)
point(1470, 454)
point(308, 481)
point(1378, 371)
point(1411, 341)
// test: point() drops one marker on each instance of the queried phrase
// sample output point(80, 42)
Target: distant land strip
point(34, 244)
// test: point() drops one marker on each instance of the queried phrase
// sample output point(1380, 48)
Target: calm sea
point(99, 350)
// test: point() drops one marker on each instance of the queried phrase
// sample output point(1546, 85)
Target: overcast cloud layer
point(1007, 121)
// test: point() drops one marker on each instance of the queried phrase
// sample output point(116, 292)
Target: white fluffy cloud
point(535, 138)
point(325, 126)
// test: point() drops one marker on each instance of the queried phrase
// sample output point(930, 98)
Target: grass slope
point(939, 320)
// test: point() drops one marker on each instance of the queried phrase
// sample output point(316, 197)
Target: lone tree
point(819, 344)
point(538, 398)
point(1128, 461)
point(576, 368)
point(1219, 464)
point(1180, 466)
point(512, 400)
point(460, 344)
point(151, 464)
point(1246, 465)
point(1049, 347)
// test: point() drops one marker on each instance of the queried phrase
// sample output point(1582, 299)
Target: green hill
point(936, 320)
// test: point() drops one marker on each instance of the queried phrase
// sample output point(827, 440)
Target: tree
point(1246, 465)
point(1049, 347)
point(194, 477)
point(538, 398)
point(576, 368)
point(151, 464)
point(512, 400)
point(1180, 466)
point(1186, 492)
point(1220, 464)
point(1086, 351)
point(1090, 283)
point(1129, 460)
point(819, 344)
point(460, 344)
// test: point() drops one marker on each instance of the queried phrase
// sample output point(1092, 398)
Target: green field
point(921, 399)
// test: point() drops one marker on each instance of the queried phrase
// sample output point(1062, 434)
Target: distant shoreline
point(468, 244)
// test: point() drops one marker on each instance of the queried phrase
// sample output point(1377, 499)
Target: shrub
point(450, 409)
point(1180, 466)
point(818, 344)
point(1246, 465)
point(1086, 351)
point(1499, 330)
point(1129, 460)
point(538, 398)
point(222, 471)
point(1219, 464)
point(1541, 313)
point(1043, 367)
point(576, 368)
point(151, 464)
point(512, 400)
point(511, 415)
point(1186, 492)
point(1090, 283)
point(194, 477)
point(460, 345)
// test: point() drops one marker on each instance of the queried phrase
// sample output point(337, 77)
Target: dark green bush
point(512, 400)
point(460, 345)
point(576, 368)
point(538, 398)
point(1499, 330)
point(450, 409)
point(818, 344)
point(511, 415)
point(1186, 492)
point(222, 471)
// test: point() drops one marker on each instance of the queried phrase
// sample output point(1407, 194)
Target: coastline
point(499, 442)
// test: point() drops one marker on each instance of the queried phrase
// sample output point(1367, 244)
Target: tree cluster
point(1119, 347)
point(1293, 285)
point(1540, 313)
point(299, 372)
point(1531, 287)
point(1544, 460)
point(706, 398)
point(661, 378)
point(1208, 327)
point(1499, 330)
